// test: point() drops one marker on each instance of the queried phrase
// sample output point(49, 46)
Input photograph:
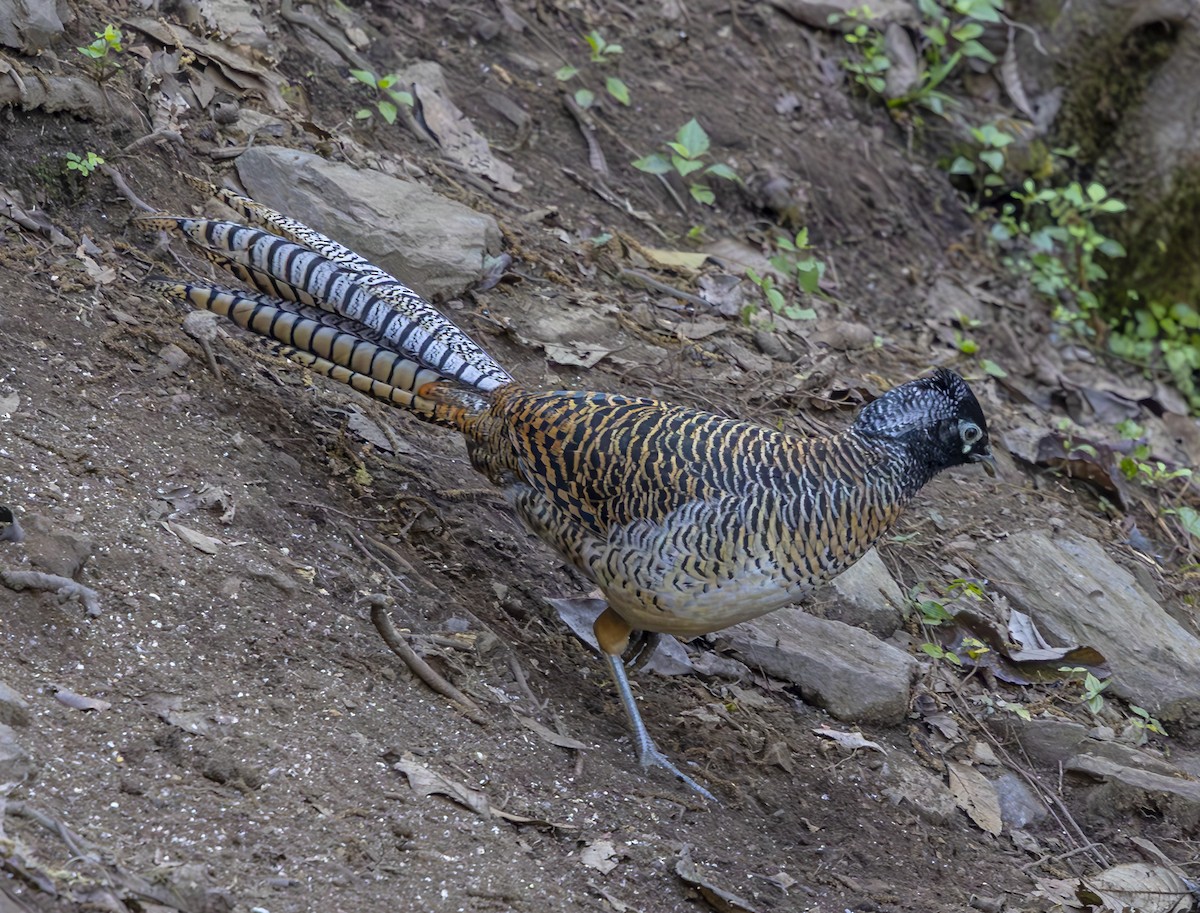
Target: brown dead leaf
point(549, 735)
point(976, 796)
point(196, 539)
point(600, 855)
point(1137, 886)
point(242, 73)
point(459, 139)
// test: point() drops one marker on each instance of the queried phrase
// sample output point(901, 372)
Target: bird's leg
point(612, 633)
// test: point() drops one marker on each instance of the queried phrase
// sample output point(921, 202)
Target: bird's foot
point(650, 756)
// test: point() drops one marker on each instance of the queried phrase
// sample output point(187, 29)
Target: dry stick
point(383, 624)
point(587, 127)
point(523, 683)
point(124, 190)
point(65, 587)
point(633, 276)
point(391, 575)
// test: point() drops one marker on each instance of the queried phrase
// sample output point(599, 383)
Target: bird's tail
point(327, 308)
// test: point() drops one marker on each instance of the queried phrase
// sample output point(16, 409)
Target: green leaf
point(774, 297)
point(809, 273)
point(362, 113)
point(962, 166)
point(387, 81)
point(722, 170)
point(617, 89)
point(685, 166)
point(653, 164)
point(401, 98)
point(977, 51)
point(991, 368)
point(585, 98)
point(1111, 205)
point(693, 139)
point(1111, 248)
point(1096, 192)
point(366, 77)
point(702, 194)
point(967, 31)
point(993, 158)
point(562, 74)
point(1189, 517)
point(799, 313)
point(388, 111)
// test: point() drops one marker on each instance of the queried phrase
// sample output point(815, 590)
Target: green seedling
point(688, 156)
point(84, 164)
point(387, 99)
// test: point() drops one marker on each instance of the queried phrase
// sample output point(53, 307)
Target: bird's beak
point(989, 462)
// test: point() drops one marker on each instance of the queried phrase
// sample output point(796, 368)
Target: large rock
point(1078, 595)
point(864, 595)
point(850, 673)
point(433, 244)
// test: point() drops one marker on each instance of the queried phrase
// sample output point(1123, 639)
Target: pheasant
point(687, 522)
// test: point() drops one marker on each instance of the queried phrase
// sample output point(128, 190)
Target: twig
point(64, 587)
point(118, 180)
point(587, 126)
point(636, 276)
point(383, 624)
point(523, 683)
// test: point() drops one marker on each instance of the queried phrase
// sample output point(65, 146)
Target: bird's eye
point(971, 433)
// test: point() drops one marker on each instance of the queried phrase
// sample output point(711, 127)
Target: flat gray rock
point(432, 244)
point(847, 671)
point(1076, 594)
point(14, 709)
point(16, 766)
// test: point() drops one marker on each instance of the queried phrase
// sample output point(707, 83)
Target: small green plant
point(85, 164)
point(948, 33)
point(387, 98)
point(1153, 331)
point(776, 299)
point(108, 42)
point(1137, 465)
point(601, 50)
point(795, 262)
point(937, 651)
point(988, 160)
point(1093, 688)
point(1142, 720)
point(601, 53)
point(1058, 225)
point(871, 60)
point(689, 150)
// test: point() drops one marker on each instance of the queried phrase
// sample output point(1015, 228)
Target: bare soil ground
point(248, 758)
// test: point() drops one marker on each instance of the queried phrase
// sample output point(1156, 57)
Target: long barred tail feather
point(330, 346)
point(290, 270)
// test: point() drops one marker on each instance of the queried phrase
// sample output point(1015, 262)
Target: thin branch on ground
point(64, 587)
point(421, 669)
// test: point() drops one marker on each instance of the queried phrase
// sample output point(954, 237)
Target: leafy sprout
point(388, 99)
point(687, 154)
